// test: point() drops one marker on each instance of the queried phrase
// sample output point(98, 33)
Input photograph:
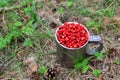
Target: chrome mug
point(64, 52)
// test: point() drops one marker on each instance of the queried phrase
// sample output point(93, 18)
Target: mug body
point(67, 55)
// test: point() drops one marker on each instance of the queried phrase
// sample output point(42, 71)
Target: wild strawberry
point(72, 35)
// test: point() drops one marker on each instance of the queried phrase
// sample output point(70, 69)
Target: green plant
point(98, 55)
point(96, 72)
point(2, 42)
point(93, 24)
point(42, 70)
point(117, 62)
point(70, 3)
point(109, 12)
point(60, 10)
point(82, 66)
point(81, 63)
point(3, 3)
point(84, 12)
point(16, 24)
point(28, 42)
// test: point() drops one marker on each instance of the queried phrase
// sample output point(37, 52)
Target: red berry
point(72, 35)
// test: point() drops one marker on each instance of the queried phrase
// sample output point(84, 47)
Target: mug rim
point(68, 47)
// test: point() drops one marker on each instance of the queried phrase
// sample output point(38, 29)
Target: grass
point(25, 30)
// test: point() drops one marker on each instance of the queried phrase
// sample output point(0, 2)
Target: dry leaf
point(86, 19)
point(107, 21)
point(58, 1)
point(118, 39)
point(30, 60)
point(33, 67)
point(116, 19)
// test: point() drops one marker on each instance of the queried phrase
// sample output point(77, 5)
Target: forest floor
point(27, 43)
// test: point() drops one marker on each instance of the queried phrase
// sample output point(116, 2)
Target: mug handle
point(94, 39)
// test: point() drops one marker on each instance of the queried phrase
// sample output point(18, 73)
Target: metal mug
point(64, 52)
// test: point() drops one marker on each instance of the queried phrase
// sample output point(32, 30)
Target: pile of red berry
point(72, 35)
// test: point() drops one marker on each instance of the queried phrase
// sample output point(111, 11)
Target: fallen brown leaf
point(30, 60)
point(116, 19)
point(33, 67)
point(106, 21)
point(86, 19)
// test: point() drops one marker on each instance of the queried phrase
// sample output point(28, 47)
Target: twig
point(91, 67)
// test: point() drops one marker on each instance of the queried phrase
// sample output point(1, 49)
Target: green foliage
point(60, 10)
point(117, 62)
point(84, 12)
point(39, 5)
point(96, 72)
point(82, 64)
point(70, 3)
point(85, 69)
point(28, 42)
point(42, 70)
point(23, 2)
point(9, 37)
point(93, 24)
point(28, 29)
point(19, 63)
point(78, 66)
point(14, 33)
point(109, 12)
point(28, 9)
point(18, 24)
point(3, 3)
point(98, 55)
point(2, 43)
point(48, 31)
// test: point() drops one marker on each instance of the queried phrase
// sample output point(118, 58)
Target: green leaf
point(91, 23)
point(27, 9)
point(96, 72)
point(16, 33)
point(27, 30)
point(3, 3)
point(42, 70)
point(29, 23)
point(116, 62)
point(85, 69)
point(81, 64)
point(85, 62)
point(78, 66)
point(110, 12)
point(84, 12)
point(28, 42)
point(18, 24)
point(8, 37)
point(2, 43)
point(98, 55)
point(70, 3)
point(60, 10)
point(12, 34)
